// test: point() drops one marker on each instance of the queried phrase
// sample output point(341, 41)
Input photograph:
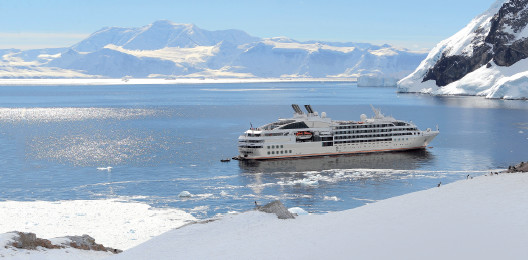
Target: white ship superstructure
point(312, 134)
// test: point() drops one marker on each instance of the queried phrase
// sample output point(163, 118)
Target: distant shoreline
point(161, 81)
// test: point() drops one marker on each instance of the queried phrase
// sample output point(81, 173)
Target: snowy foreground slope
point(113, 223)
point(486, 58)
point(481, 218)
point(165, 49)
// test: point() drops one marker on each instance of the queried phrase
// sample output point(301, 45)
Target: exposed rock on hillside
point(277, 208)
point(30, 241)
point(481, 59)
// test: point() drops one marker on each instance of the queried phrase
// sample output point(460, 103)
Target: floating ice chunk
point(309, 182)
point(298, 211)
point(521, 132)
point(108, 169)
point(334, 198)
point(223, 193)
point(185, 194)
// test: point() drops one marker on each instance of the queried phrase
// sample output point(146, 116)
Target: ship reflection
point(407, 160)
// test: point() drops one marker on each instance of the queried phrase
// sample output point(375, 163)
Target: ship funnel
point(309, 109)
point(297, 109)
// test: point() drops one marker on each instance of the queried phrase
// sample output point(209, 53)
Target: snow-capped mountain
point(166, 49)
point(486, 58)
point(159, 35)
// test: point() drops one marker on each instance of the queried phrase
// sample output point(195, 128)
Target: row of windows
point(363, 141)
point(280, 152)
point(275, 146)
point(369, 136)
point(296, 125)
point(247, 146)
point(252, 141)
point(363, 126)
point(375, 131)
point(276, 134)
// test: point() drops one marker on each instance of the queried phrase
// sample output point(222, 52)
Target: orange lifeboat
point(303, 135)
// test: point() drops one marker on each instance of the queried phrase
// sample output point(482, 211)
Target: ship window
point(282, 146)
point(272, 152)
point(295, 125)
point(268, 152)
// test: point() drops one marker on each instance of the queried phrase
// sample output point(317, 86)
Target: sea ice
point(185, 194)
point(298, 211)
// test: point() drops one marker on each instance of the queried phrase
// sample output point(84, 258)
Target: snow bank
point(112, 223)
point(481, 218)
point(493, 82)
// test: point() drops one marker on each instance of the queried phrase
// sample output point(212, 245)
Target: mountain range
point(165, 49)
point(486, 58)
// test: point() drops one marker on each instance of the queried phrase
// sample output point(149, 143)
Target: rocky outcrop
point(500, 44)
point(488, 57)
point(86, 242)
point(452, 68)
point(30, 241)
point(521, 167)
point(511, 20)
point(277, 208)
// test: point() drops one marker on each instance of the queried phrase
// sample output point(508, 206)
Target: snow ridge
point(485, 58)
point(165, 49)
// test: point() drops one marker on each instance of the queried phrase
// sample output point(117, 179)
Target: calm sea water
point(56, 142)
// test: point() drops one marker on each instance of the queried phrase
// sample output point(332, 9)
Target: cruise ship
point(310, 134)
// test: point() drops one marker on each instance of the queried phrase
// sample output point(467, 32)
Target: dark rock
point(521, 167)
point(278, 208)
point(449, 69)
point(86, 242)
point(507, 55)
point(30, 241)
point(498, 45)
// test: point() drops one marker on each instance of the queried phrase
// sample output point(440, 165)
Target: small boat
point(303, 135)
point(225, 160)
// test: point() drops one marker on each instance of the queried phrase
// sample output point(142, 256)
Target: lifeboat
point(303, 135)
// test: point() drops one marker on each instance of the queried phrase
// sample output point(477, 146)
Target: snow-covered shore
point(114, 223)
point(480, 218)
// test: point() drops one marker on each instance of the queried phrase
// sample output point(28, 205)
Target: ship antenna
point(377, 112)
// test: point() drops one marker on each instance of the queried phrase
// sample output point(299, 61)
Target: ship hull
point(313, 149)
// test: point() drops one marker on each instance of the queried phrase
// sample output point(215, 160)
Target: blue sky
point(414, 24)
